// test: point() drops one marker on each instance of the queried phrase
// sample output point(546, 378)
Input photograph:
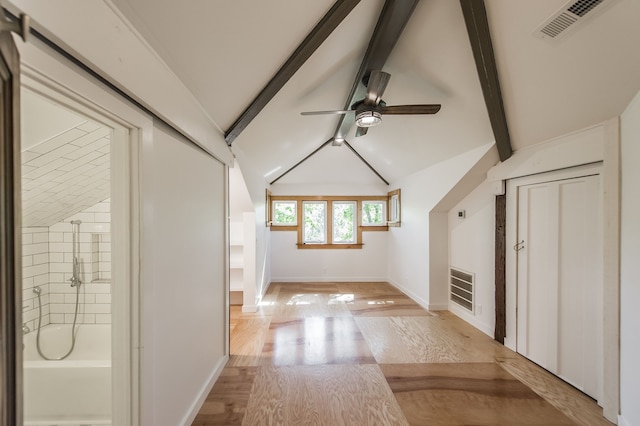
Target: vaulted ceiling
point(225, 52)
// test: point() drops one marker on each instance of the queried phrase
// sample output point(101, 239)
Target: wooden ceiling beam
point(314, 39)
point(475, 17)
point(300, 162)
point(393, 18)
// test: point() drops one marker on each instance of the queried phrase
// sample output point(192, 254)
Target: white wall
point(288, 263)
point(113, 46)
point(256, 186)
point(183, 289)
point(472, 248)
point(409, 245)
point(239, 199)
point(630, 267)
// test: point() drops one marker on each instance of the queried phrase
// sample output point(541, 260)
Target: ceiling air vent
point(569, 16)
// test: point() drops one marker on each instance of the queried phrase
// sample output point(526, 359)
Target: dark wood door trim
point(500, 263)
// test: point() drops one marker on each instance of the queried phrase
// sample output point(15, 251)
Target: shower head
point(76, 222)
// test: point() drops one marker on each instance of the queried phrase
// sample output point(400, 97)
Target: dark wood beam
point(314, 39)
point(393, 18)
point(301, 161)
point(365, 162)
point(475, 17)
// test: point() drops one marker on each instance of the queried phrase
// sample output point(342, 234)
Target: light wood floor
point(366, 354)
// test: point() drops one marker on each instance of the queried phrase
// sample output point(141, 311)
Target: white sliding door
point(559, 275)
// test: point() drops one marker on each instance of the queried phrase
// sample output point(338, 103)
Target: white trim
point(304, 234)
point(264, 291)
point(325, 279)
point(622, 421)
point(438, 307)
point(354, 222)
point(249, 263)
point(611, 273)
point(197, 404)
point(272, 207)
point(384, 222)
point(471, 319)
point(118, 52)
point(420, 301)
point(47, 76)
point(584, 146)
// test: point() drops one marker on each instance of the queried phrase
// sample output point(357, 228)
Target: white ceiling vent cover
point(568, 18)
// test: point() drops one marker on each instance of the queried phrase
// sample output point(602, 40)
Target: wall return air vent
point(461, 288)
point(569, 17)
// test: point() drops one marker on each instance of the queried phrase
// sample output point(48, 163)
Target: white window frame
point(273, 213)
point(394, 209)
point(354, 224)
point(304, 233)
point(384, 213)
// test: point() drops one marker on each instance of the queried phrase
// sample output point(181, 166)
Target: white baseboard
point(195, 407)
point(249, 308)
point(622, 421)
point(324, 279)
point(438, 307)
point(420, 301)
point(264, 291)
point(471, 319)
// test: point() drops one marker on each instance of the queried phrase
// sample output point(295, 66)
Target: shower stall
point(66, 308)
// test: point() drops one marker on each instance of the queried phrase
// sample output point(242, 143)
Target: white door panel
point(559, 276)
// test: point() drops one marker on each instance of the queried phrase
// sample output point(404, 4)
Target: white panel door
point(560, 279)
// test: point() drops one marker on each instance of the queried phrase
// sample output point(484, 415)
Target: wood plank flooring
point(366, 354)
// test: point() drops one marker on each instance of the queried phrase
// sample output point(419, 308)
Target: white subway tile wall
point(35, 273)
point(95, 267)
point(66, 173)
point(47, 263)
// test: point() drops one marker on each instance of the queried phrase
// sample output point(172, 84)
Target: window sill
point(329, 246)
point(374, 228)
point(283, 228)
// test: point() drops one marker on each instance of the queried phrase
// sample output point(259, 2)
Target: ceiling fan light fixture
point(368, 118)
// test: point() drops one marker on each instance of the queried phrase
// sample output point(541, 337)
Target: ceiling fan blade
point(410, 109)
point(375, 87)
point(326, 112)
point(361, 131)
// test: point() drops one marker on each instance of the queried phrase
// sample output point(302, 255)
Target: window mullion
point(300, 221)
point(330, 221)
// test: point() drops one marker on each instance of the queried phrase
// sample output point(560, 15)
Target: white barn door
point(559, 279)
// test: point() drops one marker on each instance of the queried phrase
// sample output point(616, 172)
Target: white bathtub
point(76, 390)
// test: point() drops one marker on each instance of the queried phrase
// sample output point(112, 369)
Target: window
point(374, 213)
point(394, 208)
point(285, 213)
point(344, 222)
point(329, 222)
point(267, 210)
point(315, 222)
